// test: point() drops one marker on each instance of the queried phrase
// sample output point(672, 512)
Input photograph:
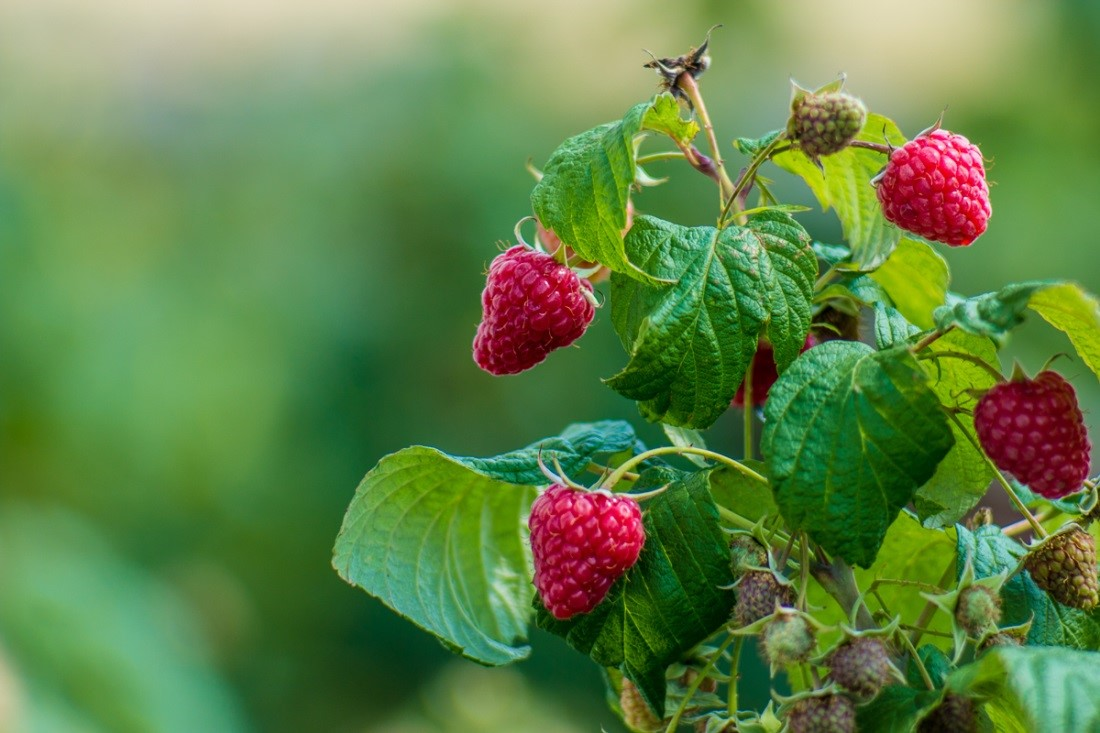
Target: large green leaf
point(963, 476)
point(916, 278)
point(741, 494)
point(1035, 688)
point(586, 183)
point(671, 600)
point(891, 327)
point(849, 436)
point(1053, 624)
point(691, 341)
point(445, 547)
point(846, 186)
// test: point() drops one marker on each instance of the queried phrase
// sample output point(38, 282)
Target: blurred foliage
point(228, 288)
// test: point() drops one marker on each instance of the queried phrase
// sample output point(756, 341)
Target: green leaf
point(963, 477)
point(687, 438)
point(741, 494)
point(846, 186)
point(691, 342)
point(916, 277)
point(1070, 309)
point(895, 710)
point(849, 436)
point(671, 600)
point(1053, 624)
point(891, 328)
point(990, 314)
point(586, 183)
point(1039, 689)
point(444, 546)
point(752, 146)
point(935, 663)
point(573, 450)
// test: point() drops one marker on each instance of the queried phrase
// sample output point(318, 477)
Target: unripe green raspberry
point(823, 124)
point(1064, 565)
point(787, 639)
point(822, 714)
point(861, 665)
point(978, 608)
point(636, 714)
point(758, 593)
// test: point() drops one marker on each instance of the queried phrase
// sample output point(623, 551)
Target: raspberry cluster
point(582, 542)
point(531, 305)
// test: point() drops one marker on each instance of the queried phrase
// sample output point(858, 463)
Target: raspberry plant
point(844, 547)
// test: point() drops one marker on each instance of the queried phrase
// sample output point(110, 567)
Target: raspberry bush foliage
point(854, 548)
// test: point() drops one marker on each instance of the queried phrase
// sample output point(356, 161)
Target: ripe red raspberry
point(582, 542)
point(764, 373)
point(1034, 429)
point(934, 186)
point(531, 305)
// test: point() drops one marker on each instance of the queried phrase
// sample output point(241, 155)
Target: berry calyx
point(1034, 429)
point(582, 542)
point(823, 124)
point(764, 373)
point(977, 609)
point(1064, 565)
point(531, 305)
point(832, 713)
point(934, 186)
point(861, 665)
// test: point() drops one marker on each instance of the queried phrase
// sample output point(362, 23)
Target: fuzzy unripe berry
point(977, 609)
point(787, 639)
point(758, 593)
point(956, 714)
point(861, 665)
point(823, 124)
point(1064, 565)
point(822, 714)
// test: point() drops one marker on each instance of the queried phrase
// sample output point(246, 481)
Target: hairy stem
point(877, 147)
point(735, 676)
point(929, 609)
point(931, 339)
point(748, 416)
point(680, 450)
point(654, 157)
point(687, 84)
point(915, 656)
point(839, 580)
point(976, 360)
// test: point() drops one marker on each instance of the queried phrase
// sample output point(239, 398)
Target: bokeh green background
point(241, 249)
